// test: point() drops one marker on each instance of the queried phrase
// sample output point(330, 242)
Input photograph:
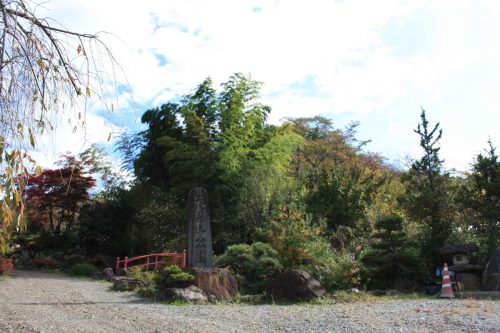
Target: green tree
point(481, 195)
point(391, 256)
point(340, 180)
point(428, 198)
point(220, 141)
point(342, 197)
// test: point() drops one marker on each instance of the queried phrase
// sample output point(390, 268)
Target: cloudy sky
point(377, 62)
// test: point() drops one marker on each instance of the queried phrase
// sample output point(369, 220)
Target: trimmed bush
point(172, 276)
point(253, 265)
point(83, 269)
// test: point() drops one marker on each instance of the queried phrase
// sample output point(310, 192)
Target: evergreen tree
point(429, 194)
point(481, 194)
point(392, 255)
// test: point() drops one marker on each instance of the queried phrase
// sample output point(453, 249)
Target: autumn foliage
point(54, 196)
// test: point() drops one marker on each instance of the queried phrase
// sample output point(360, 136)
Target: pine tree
point(429, 193)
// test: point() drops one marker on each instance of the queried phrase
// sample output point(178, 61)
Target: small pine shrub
point(139, 273)
point(253, 265)
point(83, 269)
point(172, 276)
point(176, 274)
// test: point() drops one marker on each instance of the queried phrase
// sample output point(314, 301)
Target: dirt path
point(39, 302)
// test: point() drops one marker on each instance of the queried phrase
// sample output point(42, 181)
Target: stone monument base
point(217, 283)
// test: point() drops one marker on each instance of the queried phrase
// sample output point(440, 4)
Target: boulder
point(295, 285)
point(191, 294)
point(124, 283)
point(353, 291)
point(105, 274)
point(217, 283)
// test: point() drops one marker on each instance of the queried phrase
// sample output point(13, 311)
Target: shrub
point(139, 273)
point(337, 271)
point(172, 276)
point(300, 245)
point(253, 265)
point(83, 269)
point(5, 265)
point(296, 239)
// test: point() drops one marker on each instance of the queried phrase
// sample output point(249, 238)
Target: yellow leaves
point(41, 64)
point(87, 91)
point(17, 197)
point(38, 170)
point(32, 137)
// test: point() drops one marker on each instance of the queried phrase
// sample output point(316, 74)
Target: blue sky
point(377, 62)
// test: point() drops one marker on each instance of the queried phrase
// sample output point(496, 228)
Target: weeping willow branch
point(46, 71)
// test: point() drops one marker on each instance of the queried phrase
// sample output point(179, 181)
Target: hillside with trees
point(303, 194)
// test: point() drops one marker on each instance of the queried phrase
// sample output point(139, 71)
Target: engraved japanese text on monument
point(199, 235)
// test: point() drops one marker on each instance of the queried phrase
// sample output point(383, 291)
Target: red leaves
point(58, 193)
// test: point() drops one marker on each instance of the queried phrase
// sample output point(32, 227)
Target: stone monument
point(199, 234)
point(217, 284)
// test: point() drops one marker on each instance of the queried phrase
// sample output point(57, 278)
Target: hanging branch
point(46, 71)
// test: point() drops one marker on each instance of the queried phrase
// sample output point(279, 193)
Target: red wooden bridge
point(155, 259)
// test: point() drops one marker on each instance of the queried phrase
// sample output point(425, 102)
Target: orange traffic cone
point(446, 290)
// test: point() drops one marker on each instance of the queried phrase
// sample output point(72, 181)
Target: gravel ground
point(39, 302)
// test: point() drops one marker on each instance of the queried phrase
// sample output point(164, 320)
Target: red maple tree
point(54, 196)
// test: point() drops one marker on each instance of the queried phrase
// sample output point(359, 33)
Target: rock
point(124, 283)
point(217, 283)
point(295, 285)
point(191, 294)
point(107, 273)
point(353, 291)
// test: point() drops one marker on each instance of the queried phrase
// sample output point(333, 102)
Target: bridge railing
point(154, 259)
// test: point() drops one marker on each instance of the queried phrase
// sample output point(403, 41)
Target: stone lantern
point(468, 275)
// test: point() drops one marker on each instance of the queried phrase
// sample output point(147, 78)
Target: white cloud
point(339, 47)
